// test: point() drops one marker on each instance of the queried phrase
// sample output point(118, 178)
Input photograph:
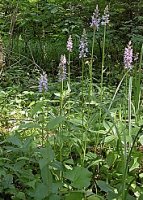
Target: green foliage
point(79, 177)
point(76, 141)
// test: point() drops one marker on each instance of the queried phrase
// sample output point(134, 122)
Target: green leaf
point(113, 195)
point(79, 176)
point(95, 197)
point(141, 175)
point(7, 182)
point(55, 122)
point(110, 138)
point(31, 184)
point(37, 107)
point(94, 163)
point(48, 156)
point(15, 141)
point(54, 197)
point(141, 139)
point(57, 94)
point(54, 10)
point(30, 125)
point(47, 153)
point(74, 196)
point(19, 164)
point(104, 186)
point(111, 158)
point(141, 197)
point(21, 196)
point(135, 164)
point(47, 178)
point(41, 192)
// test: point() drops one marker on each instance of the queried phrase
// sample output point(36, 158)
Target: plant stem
point(103, 59)
point(83, 137)
point(124, 190)
point(91, 65)
point(125, 141)
point(129, 104)
point(61, 98)
point(117, 91)
point(82, 85)
point(138, 85)
point(61, 126)
point(69, 73)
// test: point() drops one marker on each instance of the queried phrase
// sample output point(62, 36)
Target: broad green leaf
point(41, 192)
point(113, 195)
point(104, 186)
point(48, 156)
point(79, 176)
point(19, 164)
point(7, 182)
point(37, 107)
point(47, 153)
point(95, 197)
point(43, 163)
point(54, 197)
point(21, 196)
point(140, 197)
point(129, 197)
point(30, 125)
point(55, 122)
point(47, 178)
point(15, 141)
point(74, 196)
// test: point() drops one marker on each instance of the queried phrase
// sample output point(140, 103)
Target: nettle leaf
point(55, 122)
point(47, 153)
point(41, 192)
point(30, 125)
point(80, 177)
point(15, 141)
point(104, 186)
point(19, 164)
point(7, 182)
point(38, 107)
point(47, 178)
